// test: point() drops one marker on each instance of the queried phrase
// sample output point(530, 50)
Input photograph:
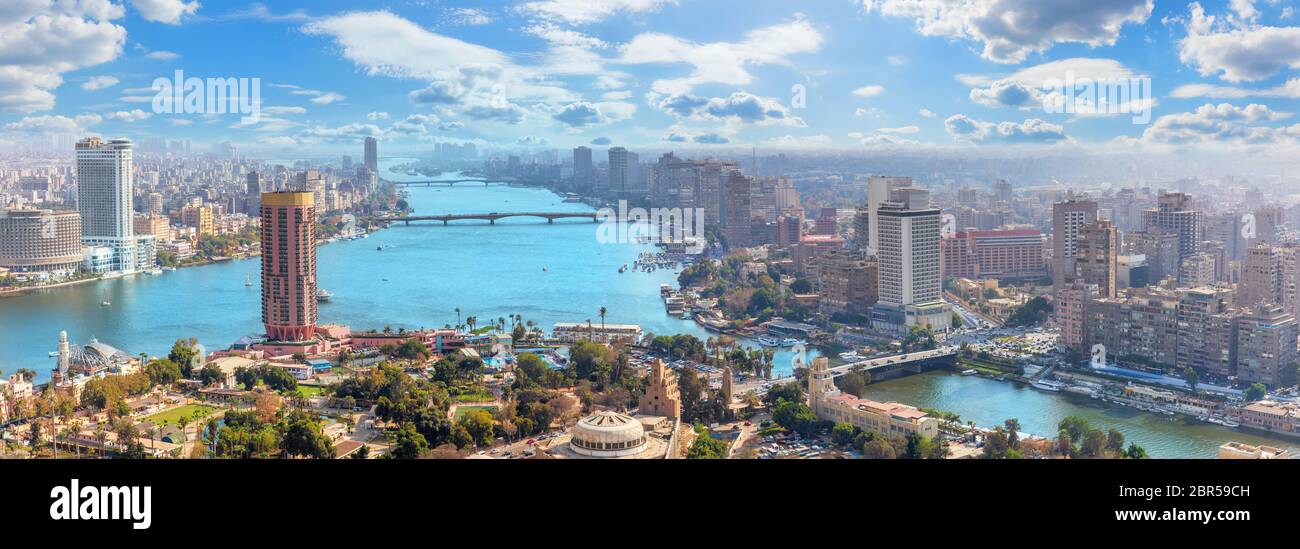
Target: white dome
point(608, 434)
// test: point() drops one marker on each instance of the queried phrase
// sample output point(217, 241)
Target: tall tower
point(1068, 219)
point(65, 354)
point(911, 281)
point(289, 265)
point(1097, 256)
point(583, 173)
point(104, 195)
point(821, 383)
point(662, 396)
point(372, 155)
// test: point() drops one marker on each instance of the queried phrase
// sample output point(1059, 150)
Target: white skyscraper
point(104, 198)
point(911, 285)
point(878, 189)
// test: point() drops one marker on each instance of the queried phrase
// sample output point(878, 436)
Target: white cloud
point(869, 91)
point(722, 62)
point(377, 116)
point(161, 55)
point(588, 11)
point(41, 40)
point(165, 11)
point(134, 115)
point(1289, 90)
point(468, 16)
point(904, 129)
point(99, 83)
point(739, 107)
point(284, 110)
point(52, 124)
point(1235, 50)
point(1032, 130)
point(1221, 124)
point(927, 113)
point(1010, 30)
point(327, 98)
point(872, 112)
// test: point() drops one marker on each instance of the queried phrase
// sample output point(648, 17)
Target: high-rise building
point(1001, 254)
point(909, 233)
point(199, 217)
point(1095, 259)
point(1207, 331)
point(827, 222)
point(104, 198)
point(1266, 341)
point(583, 170)
point(847, 282)
point(1174, 214)
point(40, 241)
point(1068, 219)
point(1262, 280)
point(1197, 271)
point(372, 155)
point(878, 190)
point(623, 173)
point(289, 265)
point(736, 221)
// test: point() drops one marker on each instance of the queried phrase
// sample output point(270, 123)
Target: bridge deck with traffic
point(887, 362)
point(492, 218)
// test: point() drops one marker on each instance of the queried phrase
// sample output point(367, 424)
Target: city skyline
point(663, 74)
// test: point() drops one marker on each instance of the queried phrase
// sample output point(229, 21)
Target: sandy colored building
point(662, 396)
point(882, 417)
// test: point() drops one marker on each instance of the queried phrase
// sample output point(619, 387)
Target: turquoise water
point(989, 403)
point(424, 273)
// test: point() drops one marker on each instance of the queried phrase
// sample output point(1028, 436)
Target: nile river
point(426, 271)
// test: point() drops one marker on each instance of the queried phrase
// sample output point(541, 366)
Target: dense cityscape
point(409, 288)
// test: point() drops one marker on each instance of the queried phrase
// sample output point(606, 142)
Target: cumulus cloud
point(602, 141)
point(721, 62)
point(580, 115)
point(869, 91)
point(711, 139)
point(581, 12)
point(740, 107)
point(1234, 48)
point(134, 115)
point(927, 113)
point(41, 40)
point(1007, 93)
point(52, 124)
point(1010, 30)
point(1033, 130)
point(380, 115)
point(1221, 124)
point(467, 17)
point(99, 83)
point(165, 11)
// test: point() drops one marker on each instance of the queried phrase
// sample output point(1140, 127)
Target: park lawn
point(462, 410)
point(475, 397)
point(309, 391)
point(170, 417)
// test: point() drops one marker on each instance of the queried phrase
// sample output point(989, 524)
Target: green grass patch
point(462, 410)
point(309, 391)
point(475, 397)
point(170, 417)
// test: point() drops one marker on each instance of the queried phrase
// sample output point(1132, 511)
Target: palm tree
point(591, 332)
point(75, 427)
point(458, 316)
point(602, 319)
point(101, 435)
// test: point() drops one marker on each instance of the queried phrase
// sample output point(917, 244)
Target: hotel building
point(289, 265)
point(104, 198)
point(882, 417)
point(910, 266)
point(40, 241)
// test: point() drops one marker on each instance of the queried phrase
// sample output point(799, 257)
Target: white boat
point(790, 342)
point(768, 341)
point(248, 280)
point(969, 372)
point(851, 356)
point(54, 354)
point(1231, 424)
point(106, 302)
point(1046, 385)
point(323, 295)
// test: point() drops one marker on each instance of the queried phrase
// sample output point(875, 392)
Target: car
point(531, 442)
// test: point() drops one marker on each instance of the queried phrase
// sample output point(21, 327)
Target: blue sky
point(660, 73)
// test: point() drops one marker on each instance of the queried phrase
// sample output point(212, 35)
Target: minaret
point(727, 388)
point(65, 356)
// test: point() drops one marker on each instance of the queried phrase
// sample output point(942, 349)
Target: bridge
point(492, 218)
point(453, 182)
point(885, 365)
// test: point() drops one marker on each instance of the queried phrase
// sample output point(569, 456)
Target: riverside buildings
point(40, 241)
point(890, 418)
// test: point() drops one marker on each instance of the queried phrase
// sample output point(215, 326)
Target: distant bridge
point(453, 182)
point(888, 364)
point(492, 218)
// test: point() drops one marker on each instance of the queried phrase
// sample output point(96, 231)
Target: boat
point(54, 354)
point(790, 342)
point(622, 269)
point(379, 248)
point(852, 356)
point(768, 341)
point(545, 269)
point(106, 302)
point(1046, 385)
point(970, 372)
point(248, 280)
point(1231, 424)
point(323, 295)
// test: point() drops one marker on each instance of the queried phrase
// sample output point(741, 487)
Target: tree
point(1074, 425)
point(183, 353)
point(1192, 378)
point(1013, 432)
point(789, 392)
point(1114, 441)
point(163, 372)
point(304, 438)
point(843, 434)
point(801, 286)
point(410, 444)
point(797, 417)
point(1135, 451)
point(879, 447)
point(707, 447)
point(1256, 391)
point(919, 338)
point(1094, 444)
point(478, 423)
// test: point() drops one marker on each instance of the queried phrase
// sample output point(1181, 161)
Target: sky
point(983, 75)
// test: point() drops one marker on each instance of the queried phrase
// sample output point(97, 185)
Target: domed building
point(608, 434)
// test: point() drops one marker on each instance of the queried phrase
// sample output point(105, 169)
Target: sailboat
point(248, 281)
point(106, 302)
